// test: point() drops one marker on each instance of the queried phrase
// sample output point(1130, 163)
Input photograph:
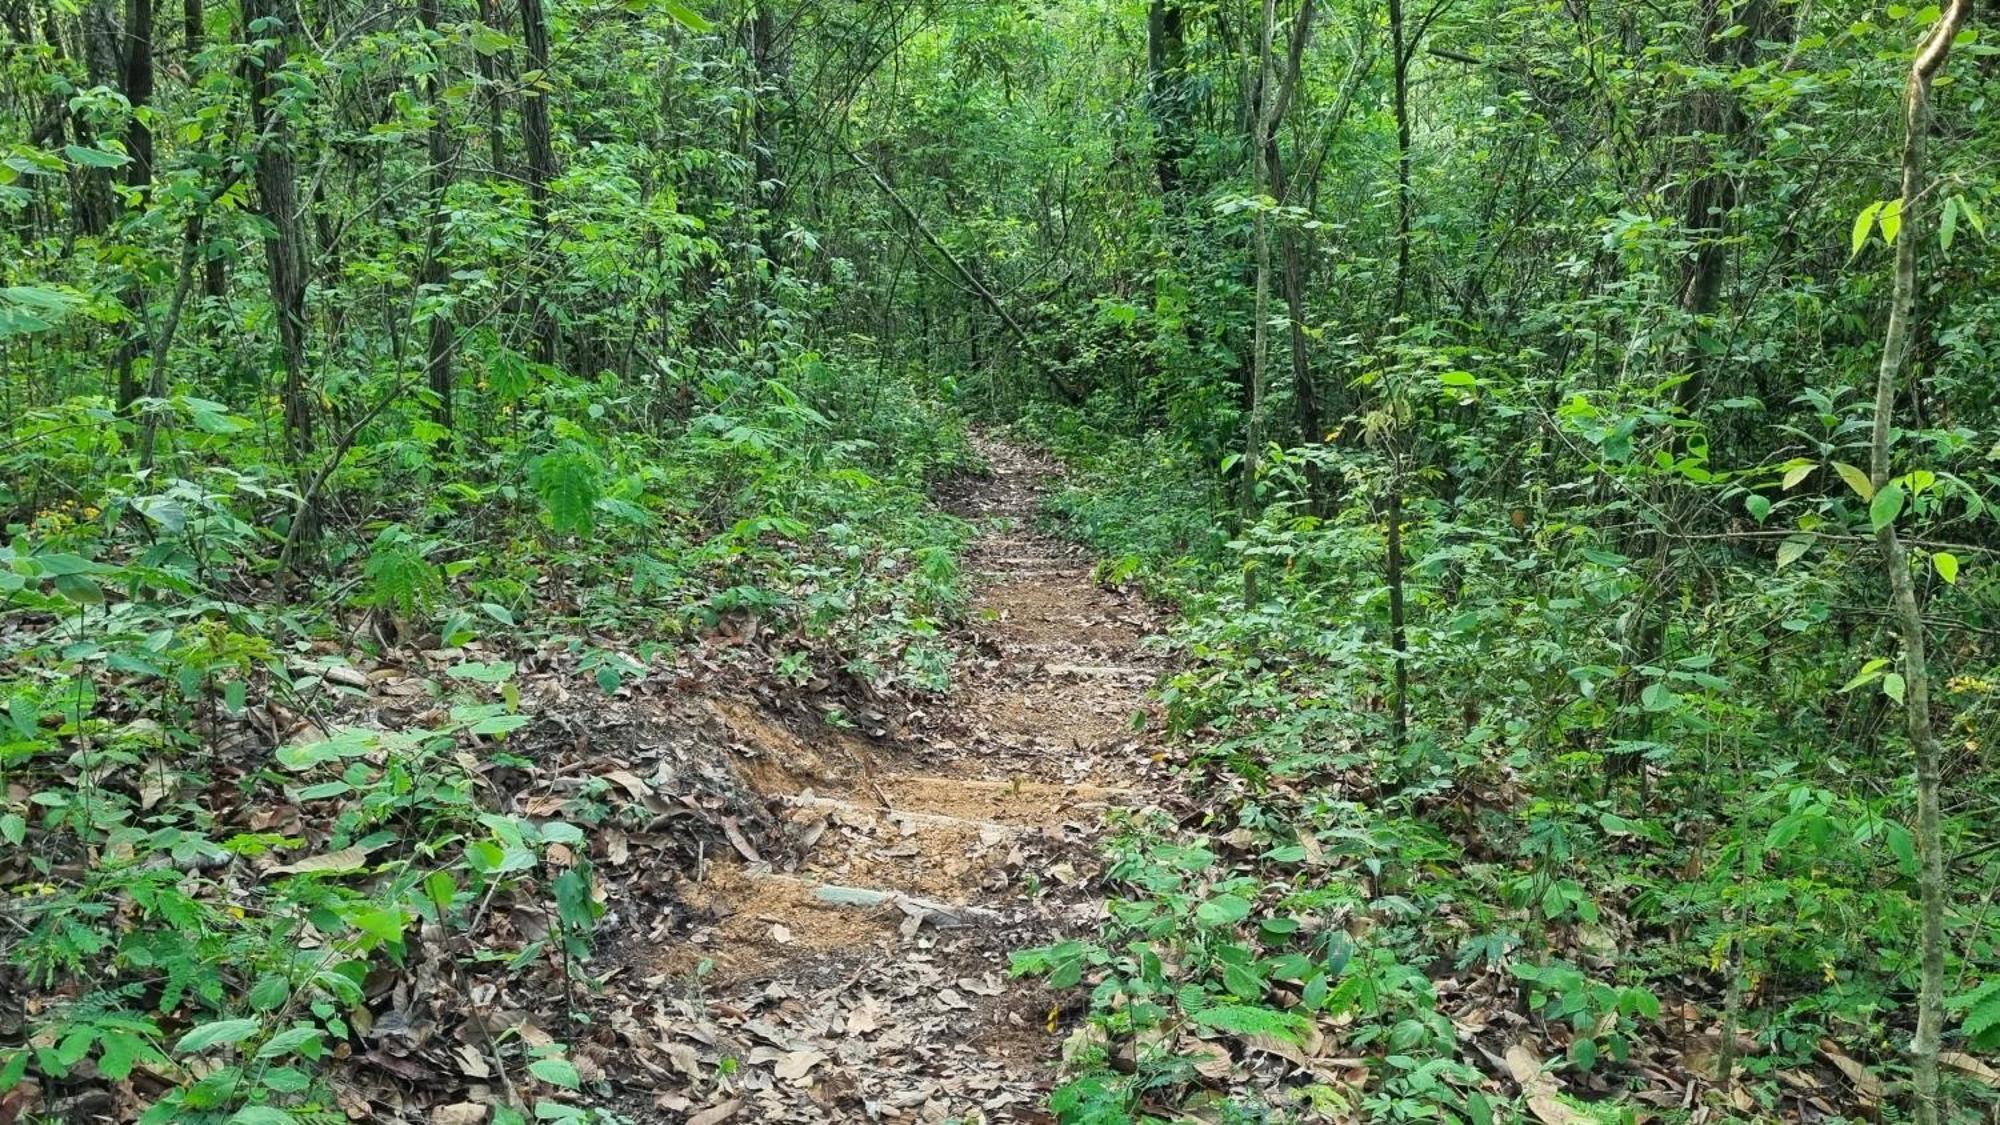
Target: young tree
point(1885, 505)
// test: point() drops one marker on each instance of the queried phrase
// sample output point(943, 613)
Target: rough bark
point(278, 202)
point(1166, 97)
point(1275, 86)
point(1890, 376)
point(437, 362)
point(540, 149)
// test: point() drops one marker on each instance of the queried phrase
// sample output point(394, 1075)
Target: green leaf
point(1904, 847)
point(499, 724)
point(1796, 474)
point(685, 16)
point(270, 992)
point(1856, 480)
point(13, 829)
point(1892, 686)
point(261, 1115)
point(1658, 697)
point(215, 1033)
point(1948, 224)
point(95, 158)
point(1249, 1019)
point(1222, 910)
point(1887, 505)
point(1793, 549)
point(1241, 982)
point(303, 1039)
point(1945, 562)
point(1863, 223)
point(557, 1072)
point(1891, 220)
point(1758, 506)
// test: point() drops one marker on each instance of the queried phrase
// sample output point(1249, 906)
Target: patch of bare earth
point(860, 974)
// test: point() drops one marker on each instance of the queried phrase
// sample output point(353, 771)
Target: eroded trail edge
point(863, 976)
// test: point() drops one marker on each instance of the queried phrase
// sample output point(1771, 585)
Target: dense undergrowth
point(194, 924)
point(1623, 880)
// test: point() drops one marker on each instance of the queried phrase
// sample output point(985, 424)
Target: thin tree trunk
point(277, 193)
point(437, 363)
point(136, 76)
point(1894, 369)
point(489, 77)
point(1274, 94)
point(536, 140)
point(1401, 48)
point(972, 281)
point(1166, 94)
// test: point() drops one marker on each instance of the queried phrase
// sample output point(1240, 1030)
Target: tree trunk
point(437, 362)
point(136, 76)
point(1166, 97)
point(540, 150)
point(277, 194)
point(1894, 369)
point(1274, 93)
point(1401, 46)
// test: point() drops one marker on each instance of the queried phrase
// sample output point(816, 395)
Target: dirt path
point(865, 978)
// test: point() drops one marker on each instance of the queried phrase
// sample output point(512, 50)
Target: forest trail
point(872, 978)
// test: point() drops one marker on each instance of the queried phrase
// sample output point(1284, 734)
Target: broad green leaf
point(1658, 697)
point(1863, 223)
point(303, 1040)
point(1903, 846)
point(1887, 505)
point(1856, 480)
point(1796, 474)
point(1948, 223)
point(215, 1033)
point(1945, 562)
point(556, 1072)
point(261, 1115)
point(1793, 549)
point(95, 158)
point(1222, 910)
point(1893, 686)
point(1759, 507)
point(685, 16)
point(1891, 220)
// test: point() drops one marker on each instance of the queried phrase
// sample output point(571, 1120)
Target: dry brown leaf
point(796, 1065)
point(631, 783)
point(459, 1113)
point(1967, 1065)
point(1524, 1065)
point(1865, 1083)
point(717, 1114)
point(1551, 1110)
point(1211, 1060)
point(346, 859)
point(1540, 1089)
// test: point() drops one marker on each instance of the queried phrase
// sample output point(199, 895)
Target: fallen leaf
point(1211, 1060)
point(631, 783)
point(1967, 1065)
point(346, 859)
point(459, 1113)
point(1865, 1083)
point(717, 1114)
point(796, 1065)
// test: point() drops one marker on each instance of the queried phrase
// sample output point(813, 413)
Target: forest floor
point(863, 975)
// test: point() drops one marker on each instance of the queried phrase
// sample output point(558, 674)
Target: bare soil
point(969, 834)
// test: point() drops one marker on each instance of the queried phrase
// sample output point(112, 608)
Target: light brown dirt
point(993, 804)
